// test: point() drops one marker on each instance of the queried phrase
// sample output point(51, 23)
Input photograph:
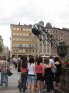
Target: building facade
point(23, 41)
point(58, 35)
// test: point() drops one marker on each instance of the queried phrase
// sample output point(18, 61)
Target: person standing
point(14, 61)
point(48, 76)
point(58, 73)
point(39, 73)
point(24, 73)
point(4, 75)
point(31, 80)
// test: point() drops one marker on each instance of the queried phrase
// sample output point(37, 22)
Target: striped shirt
point(4, 65)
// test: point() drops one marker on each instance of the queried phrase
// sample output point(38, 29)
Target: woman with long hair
point(39, 73)
point(48, 76)
point(31, 76)
point(24, 73)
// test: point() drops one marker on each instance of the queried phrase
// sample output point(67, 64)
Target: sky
point(30, 12)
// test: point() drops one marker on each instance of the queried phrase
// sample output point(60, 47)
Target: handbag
point(9, 73)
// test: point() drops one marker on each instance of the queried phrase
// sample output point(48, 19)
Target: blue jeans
point(31, 78)
point(4, 78)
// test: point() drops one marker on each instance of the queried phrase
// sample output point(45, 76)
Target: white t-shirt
point(31, 69)
point(51, 61)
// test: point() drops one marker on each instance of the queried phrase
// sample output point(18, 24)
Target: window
point(27, 34)
point(29, 29)
point(21, 29)
point(17, 29)
point(14, 28)
point(24, 50)
point(13, 38)
point(14, 34)
point(33, 51)
point(23, 45)
point(24, 29)
point(17, 34)
point(29, 50)
point(20, 34)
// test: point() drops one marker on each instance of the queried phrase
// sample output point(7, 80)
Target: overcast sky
point(32, 11)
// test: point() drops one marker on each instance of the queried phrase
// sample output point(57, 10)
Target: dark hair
point(50, 57)
point(39, 60)
point(31, 60)
point(57, 59)
point(24, 65)
point(24, 62)
point(23, 58)
point(46, 61)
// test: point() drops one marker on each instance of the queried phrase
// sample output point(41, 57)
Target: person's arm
point(43, 68)
point(7, 65)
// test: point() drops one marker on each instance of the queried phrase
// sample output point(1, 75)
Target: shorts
point(39, 76)
point(31, 78)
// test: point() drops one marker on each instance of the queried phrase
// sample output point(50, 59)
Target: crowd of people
point(35, 74)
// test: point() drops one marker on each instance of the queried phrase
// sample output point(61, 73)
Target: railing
point(65, 79)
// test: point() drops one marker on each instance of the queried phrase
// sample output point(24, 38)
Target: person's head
point(57, 59)
point(51, 57)
point(46, 61)
point(24, 64)
point(39, 60)
point(31, 60)
point(24, 59)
